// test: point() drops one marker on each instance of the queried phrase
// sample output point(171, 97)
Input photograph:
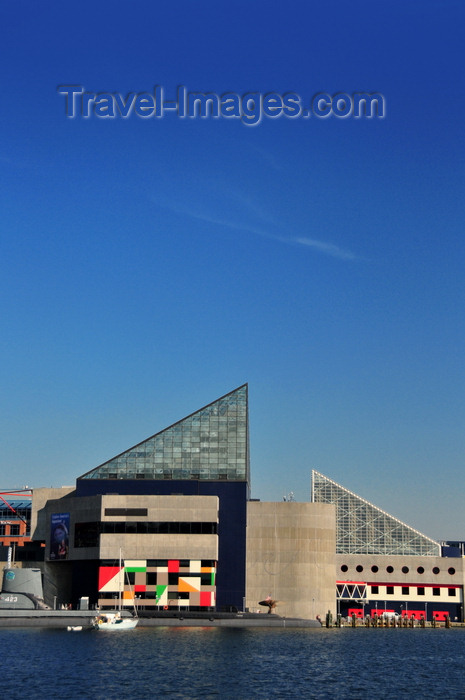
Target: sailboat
point(113, 621)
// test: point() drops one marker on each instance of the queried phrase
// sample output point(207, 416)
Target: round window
point(389, 569)
point(359, 568)
point(374, 568)
point(405, 569)
point(436, 569)
point(344, 567)
point(451, 571)
point(421, 570)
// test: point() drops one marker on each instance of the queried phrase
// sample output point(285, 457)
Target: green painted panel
point(161, 590)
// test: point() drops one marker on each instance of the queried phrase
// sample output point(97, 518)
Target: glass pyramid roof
point(362, 528)
point(211, 444)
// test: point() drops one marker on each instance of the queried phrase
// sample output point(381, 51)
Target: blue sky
point(149, 266)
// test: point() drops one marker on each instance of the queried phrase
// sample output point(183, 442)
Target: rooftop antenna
point(290, 497)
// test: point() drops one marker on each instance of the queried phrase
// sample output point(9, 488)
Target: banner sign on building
point(59, 538)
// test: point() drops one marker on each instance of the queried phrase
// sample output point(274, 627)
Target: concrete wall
point(162, 509)
point(137, 546)
point(359, 568)
point(40, 526)
point(291, 556)
point(80, 510)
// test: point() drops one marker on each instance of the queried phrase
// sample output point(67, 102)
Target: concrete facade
point(291, 557)
point(405, 583)
point(166, 509)
point(39, 527)
point(148, 530)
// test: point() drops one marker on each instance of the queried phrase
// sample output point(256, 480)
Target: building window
point(375, 589)
point(436, 591)
point(405, 569)
point(2, 530)
point(420, 590)
point(359, 568)
point(157, 562)
point(405, 590)
point(451, 592)
point(436, 569)
point(344, 568)
point(420, 570)
point(389, 569)
point(451, 571)
point(158, 528)
point(126, 511)
point(86, 534)
point(389, 590)
point(374, 568)
point(14, 530)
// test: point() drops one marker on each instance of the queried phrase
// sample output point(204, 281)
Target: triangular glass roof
point(211, 444)
point(362, 528)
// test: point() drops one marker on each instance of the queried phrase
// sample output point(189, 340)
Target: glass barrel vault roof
point(362, 528)
point(211, 444)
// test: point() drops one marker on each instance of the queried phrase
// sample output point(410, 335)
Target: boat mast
point(119, 580)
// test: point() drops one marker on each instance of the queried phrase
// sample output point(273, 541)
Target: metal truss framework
point(362, 528)
point(351, 590)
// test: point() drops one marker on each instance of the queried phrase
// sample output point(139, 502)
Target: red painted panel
point(140, 588)
point(380, 611)
point(105, 574)
point(205, 599)
point(440, 614)
point(173, 565)
point(358, 612)
point(417, 614)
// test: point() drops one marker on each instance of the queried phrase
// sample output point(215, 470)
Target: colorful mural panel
point(159, 584)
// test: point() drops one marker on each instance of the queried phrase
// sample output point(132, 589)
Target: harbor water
point(233, 663)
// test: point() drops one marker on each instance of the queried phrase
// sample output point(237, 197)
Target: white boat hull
point(115, 624)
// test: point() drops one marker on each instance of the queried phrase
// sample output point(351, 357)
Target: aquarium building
point(174, 512)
